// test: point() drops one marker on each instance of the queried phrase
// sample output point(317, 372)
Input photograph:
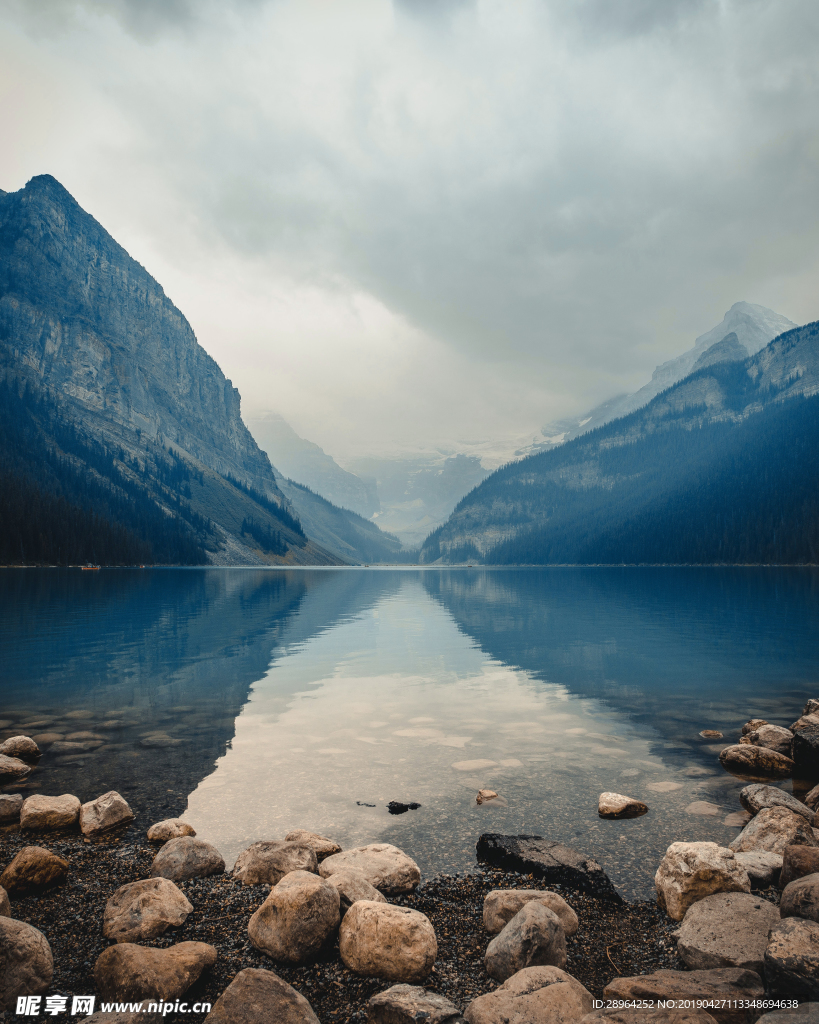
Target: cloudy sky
point(403, 222)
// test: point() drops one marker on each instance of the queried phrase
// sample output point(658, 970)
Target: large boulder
point(49, 812)
point(555, 863)
point(772, 830)
point(268, 861)
point(187, 857)
point(763, 868)
point(127, 972)
point(792, 959)
point(353, 886)
point(260, 997)
point(26, 963)
point(501, 905)
point(411, 1004)
point(13, 767)
point(299, 916)
point(23, 747)
point(34, 868)
point(533, 938)
point(774, 737)
point(758, 796)
point(746, 759)
point(381, 940)
point(144, 909)
point(798, 861)
point(806, 750)
point(691, 871)
point(5, 903)
point(727, 930)
point(170, 828)
point(384, 866)
point(322, 846)
point(106, 812)
point(728, 988)
point(535, 995)
point(615, 805)
point(10, 806)
point(800, 898)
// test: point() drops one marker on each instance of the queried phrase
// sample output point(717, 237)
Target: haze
point(403, 224)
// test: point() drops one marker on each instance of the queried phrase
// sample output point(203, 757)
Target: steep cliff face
point(81, 317)
point(121, 418)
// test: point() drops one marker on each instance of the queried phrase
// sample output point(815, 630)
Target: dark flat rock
point(547, 859)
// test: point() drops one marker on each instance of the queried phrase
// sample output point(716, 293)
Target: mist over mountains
point(123, 439)
point(721, 467)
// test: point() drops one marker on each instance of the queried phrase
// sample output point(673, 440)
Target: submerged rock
point(547, 859)
point(727, 930)
point(615, 805)
point(533, 938)
point(26, 963)
point(380, 940)
point(691, 871)
point(256, 996)
point(536, 994)
point(501, 905)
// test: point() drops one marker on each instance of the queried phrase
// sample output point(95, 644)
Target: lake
point(252, 701)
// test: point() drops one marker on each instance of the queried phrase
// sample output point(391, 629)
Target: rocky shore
point(301, 931)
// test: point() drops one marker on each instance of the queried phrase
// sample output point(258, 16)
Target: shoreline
point(613, 938)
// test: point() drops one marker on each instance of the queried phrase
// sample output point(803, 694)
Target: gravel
point(613, 938)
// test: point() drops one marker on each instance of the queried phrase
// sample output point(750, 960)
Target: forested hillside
point(723, 467)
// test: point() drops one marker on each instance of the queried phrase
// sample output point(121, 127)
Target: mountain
point(301, 460)
point(124, 441)
point(753, 326)
point(339, 530)
point(418, 491)
point(721, 467)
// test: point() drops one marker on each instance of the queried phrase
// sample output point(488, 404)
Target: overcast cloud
point(422, 220)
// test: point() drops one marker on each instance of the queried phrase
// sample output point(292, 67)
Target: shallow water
point(257, 701)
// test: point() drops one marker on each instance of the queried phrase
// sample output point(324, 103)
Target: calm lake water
point(256, 701)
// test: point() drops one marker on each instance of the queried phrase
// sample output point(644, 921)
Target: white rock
point(691, 871)
point(353, 886)
point(763, 868)
point(615, 805)
point(104, 813)
point(501, 905)
point(533, 938)
point(380, 940)
point(49, 812)
point(384, 866)
point(535, 995)
point(321, 845)
point(772, 829)
point(727, 930)
point(269, 860)
point(170, 828)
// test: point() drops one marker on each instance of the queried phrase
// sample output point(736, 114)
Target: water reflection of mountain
point(172, 652)
point(665, 646)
